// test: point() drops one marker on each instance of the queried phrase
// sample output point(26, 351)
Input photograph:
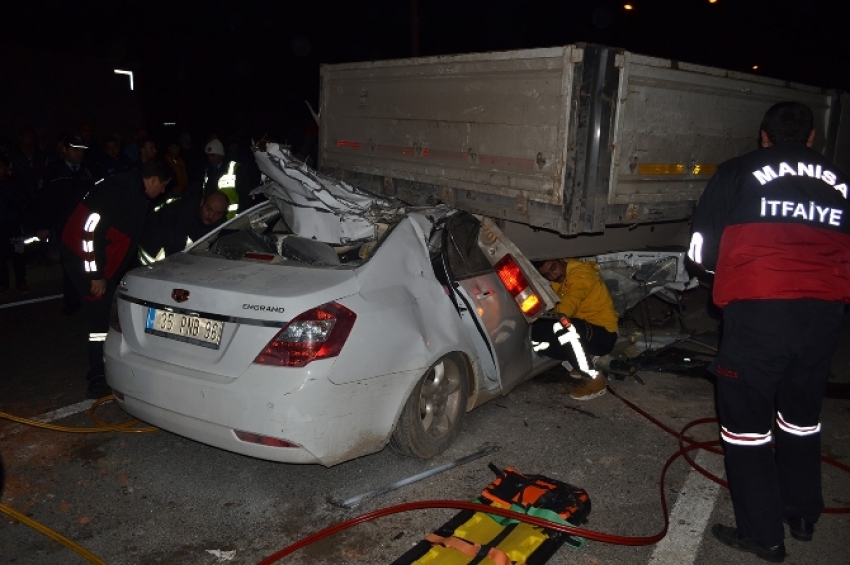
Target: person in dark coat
point(29, 162)
point(68, 181)
point(99, 241)
point(13, 197)
point(179, 223)
point(112, 161)
point(773, 226)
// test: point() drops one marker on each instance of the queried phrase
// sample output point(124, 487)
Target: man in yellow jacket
point(587, 327)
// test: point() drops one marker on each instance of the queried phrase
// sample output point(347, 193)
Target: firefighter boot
point(590, 389)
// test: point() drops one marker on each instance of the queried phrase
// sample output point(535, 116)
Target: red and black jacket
point(775, 224)
point(105, 227)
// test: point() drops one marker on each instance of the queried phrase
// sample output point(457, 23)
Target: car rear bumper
point(330, 423)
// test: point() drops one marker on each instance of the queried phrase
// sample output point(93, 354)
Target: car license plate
point(184, 327)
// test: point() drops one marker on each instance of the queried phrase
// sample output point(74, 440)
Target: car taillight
point(516, 283)
point(316, 334)
point(114, 321)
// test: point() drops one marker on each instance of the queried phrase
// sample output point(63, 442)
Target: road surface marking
point(30, 301)
point(690, 514)
point(60, 413)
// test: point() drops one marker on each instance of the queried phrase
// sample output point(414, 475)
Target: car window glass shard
point(307, 250)
point(316, 206)
point(465, 256)
point(234, 245)
point(263, 235)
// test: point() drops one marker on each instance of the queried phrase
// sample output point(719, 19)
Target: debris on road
point(354, 501)
point(222, 555)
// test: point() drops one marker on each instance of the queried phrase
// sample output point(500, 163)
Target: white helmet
point(214, 147)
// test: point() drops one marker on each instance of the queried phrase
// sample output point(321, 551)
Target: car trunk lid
point(236, 308)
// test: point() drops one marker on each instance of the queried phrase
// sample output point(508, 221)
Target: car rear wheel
point(434, 414)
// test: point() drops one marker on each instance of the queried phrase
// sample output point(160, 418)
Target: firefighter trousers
point(772, 371)
point(96, 309)
point(552, 339)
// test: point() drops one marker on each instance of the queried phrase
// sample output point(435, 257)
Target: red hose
point(703, 472)
point(588, 534)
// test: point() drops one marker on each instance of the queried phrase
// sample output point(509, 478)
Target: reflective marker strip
point(97, 337)
point(92, 221)
point(228, 179)
point(539, 345)
point(695, 251)
point(166, 203)
point(145, 257)
point(233, 207)
point(88, 242)
point(701, 169)
point(796, 430)
point(745, 439)
point(571, 337)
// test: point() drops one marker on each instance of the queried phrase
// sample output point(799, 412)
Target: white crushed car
point(325, 323)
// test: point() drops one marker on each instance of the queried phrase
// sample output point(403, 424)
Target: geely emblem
point(180, 295)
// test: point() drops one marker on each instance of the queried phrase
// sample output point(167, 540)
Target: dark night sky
point(227, 63)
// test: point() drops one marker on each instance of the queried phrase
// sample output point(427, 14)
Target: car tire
point(435, 412)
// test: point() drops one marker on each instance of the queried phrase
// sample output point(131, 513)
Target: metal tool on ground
point(354, 501)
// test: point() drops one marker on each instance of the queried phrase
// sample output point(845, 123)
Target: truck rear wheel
point(434, 413)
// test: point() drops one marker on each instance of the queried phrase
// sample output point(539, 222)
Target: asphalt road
point(159, 498)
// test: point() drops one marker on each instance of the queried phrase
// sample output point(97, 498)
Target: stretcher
point(472, 538)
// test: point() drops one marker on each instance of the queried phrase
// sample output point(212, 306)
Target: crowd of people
point(102, 209)
point(39, 190)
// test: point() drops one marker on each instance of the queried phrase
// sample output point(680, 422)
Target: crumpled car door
point(493, 321)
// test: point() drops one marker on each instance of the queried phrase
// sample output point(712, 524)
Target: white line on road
point(30, 301)
point(60, 413)
point(690, 514)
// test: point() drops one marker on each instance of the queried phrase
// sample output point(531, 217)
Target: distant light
point(169, 123)
point(755, 67)
point(712, 1)
point(128, 73)
point(628, 7)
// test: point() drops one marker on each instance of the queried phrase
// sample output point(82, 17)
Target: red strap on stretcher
point(494, 554)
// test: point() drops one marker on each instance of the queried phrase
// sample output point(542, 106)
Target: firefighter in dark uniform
point(177, 224)
point(98, 242)
point(774, 226)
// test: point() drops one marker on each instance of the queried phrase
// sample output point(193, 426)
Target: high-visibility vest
point(227, 185)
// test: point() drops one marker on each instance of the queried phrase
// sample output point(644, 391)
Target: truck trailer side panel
point(569, 139)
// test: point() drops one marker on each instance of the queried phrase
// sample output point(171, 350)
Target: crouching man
point(587, 325)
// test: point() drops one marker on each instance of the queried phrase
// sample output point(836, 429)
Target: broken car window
point(465, 256)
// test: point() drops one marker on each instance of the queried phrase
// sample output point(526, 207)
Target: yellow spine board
point(481, 529)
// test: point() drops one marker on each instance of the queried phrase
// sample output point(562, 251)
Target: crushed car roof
point(319, 207)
